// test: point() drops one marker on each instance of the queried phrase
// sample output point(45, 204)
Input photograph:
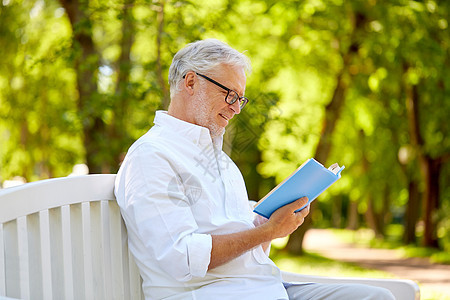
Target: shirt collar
point(199, 135)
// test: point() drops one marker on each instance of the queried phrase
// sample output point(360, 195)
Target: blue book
point(309, 180)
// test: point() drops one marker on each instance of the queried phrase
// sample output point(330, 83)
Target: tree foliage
point(362, 83)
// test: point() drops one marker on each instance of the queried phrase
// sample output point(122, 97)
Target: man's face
point(212, 110)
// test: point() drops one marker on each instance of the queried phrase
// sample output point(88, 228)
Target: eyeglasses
point(231, 97)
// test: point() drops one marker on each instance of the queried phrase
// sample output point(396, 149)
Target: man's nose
point(236, 107)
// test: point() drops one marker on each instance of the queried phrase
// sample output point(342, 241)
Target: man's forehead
point(232, 77)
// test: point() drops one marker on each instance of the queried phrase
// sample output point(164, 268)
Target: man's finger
point(304, 212)
point(299, 203)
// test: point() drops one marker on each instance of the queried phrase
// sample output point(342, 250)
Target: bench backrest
point(64, 238)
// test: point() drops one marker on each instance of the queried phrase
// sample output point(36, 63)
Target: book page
point(334, 168)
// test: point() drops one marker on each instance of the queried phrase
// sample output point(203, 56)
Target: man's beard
point(204, 117)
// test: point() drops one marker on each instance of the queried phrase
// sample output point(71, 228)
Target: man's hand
point(285, 220)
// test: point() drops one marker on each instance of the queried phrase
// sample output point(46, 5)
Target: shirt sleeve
point(252, 204)
point(158, 213)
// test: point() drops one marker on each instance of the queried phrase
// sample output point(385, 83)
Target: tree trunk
point(384, 215)
point(430, 168)
point(336, 212)
point(373, 219)
point(332, 113)
point(86, 67)
point(44, 139)
point(27, 171)
point(353, 222)
point(161, 79)
point(412, 212)
point(119, 134)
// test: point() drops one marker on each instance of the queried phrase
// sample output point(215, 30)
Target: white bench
point(64, 238)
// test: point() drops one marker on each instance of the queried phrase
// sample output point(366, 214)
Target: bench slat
point(56, 253)
point(33, 259)
point(116, 238)
point(22, 244)
point(46, 260)
point(67, 255)
point(87, 253)
point(2, 263)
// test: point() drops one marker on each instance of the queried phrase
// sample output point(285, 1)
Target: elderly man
point(191, 228)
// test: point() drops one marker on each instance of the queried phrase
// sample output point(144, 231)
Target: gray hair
point(202, 57)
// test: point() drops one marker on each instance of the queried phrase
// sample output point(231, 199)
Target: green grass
point(435, 256)
point(366, 238)
point(314, 264)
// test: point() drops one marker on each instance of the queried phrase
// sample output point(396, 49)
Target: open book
point(309, 180)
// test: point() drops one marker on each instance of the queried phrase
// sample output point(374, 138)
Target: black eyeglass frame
point(242, 100)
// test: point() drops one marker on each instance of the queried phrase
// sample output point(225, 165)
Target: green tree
point(39, 129)
point(361, 83)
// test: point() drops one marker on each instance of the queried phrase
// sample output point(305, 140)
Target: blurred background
point(365, 84)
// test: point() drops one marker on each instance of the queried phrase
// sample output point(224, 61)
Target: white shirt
point(176, 188)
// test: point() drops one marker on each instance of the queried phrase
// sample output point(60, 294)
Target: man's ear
point(189, 82)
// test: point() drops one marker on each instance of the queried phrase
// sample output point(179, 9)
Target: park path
point(430, 276)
